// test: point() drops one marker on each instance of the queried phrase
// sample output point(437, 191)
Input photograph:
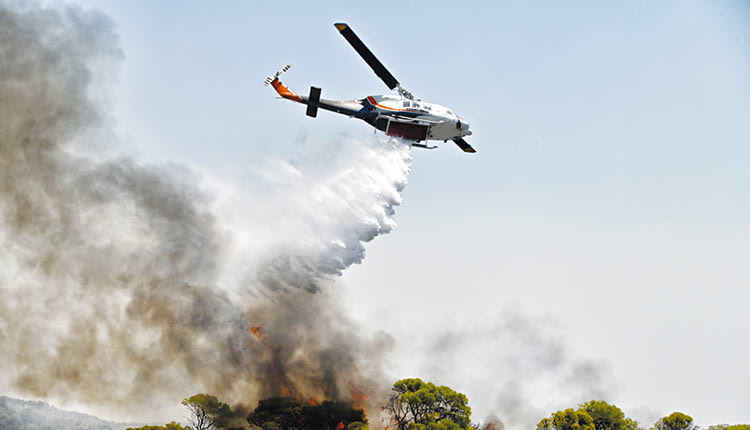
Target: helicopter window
point(407, 104)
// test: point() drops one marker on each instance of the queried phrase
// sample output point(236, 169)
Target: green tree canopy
point(675, 421)
point(415, 405)
point(286, 412)
point(568, 419)
point(206, 412)
point(607, 417)
point(730, 427)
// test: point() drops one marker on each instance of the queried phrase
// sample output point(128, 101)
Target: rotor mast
point(404, 92)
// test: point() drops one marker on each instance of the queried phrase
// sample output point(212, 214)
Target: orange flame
point(258, 332)
point(285, 384)
point(359, 398)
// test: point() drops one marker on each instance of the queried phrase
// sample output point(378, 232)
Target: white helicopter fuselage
point(441, 122)
point(415, 120)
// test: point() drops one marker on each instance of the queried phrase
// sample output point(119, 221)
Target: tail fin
point(312, 102)
point(281, 88)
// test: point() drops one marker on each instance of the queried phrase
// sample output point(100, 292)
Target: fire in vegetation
point(359, 398)
point(413, 404)
point(257, 332)
point(288, 413)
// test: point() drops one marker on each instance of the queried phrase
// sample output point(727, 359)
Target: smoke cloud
point(124, 285)
point(517, 367)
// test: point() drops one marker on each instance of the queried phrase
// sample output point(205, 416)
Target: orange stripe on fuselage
point(284, 91)
point(371, 99)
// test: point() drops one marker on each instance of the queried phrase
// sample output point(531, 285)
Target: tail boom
point(352, 108)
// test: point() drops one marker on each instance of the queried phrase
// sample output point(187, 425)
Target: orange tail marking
point(284, 91)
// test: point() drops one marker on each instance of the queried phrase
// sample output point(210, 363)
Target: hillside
point(18, 414)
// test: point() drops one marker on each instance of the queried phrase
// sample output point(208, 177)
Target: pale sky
point(608, 201)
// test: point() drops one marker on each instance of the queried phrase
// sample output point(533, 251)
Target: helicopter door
point(407, 130)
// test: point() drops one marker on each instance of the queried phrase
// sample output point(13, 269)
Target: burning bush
point(287, 413)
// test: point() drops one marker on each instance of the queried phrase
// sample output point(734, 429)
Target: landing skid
point(422, 145)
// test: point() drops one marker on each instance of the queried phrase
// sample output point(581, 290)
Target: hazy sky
point(608, 201)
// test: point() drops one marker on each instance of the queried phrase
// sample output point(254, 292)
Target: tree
point(415, 404)
point(675, 421)
point(206, 412)
point(278, 411)
point(607, 417)
point(568, 419)
point(730, 427)
point(287, 413)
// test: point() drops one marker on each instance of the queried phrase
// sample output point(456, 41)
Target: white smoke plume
point(123, 285)
point(516, 367)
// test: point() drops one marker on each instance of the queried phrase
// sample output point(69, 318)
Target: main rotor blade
point(367, 55)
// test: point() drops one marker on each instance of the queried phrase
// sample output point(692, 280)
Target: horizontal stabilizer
point(463, 145)
point(312, 102)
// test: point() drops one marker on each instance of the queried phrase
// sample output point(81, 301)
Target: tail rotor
point(277, 74)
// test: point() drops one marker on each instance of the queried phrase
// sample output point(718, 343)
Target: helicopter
point(398, 116)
